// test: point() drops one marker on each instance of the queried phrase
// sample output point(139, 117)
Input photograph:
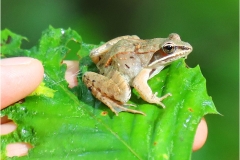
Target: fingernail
point(15, 61)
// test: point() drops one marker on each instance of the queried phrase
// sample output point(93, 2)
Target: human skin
point(29, 73)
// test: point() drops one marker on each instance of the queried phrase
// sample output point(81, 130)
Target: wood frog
point(130, 61)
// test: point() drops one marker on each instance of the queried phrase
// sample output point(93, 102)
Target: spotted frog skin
point(130, 61)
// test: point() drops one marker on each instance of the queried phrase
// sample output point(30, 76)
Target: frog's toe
point(161, 104)
point(132, 105)
point(165, 96)
point(117, 107)
point(158, 100)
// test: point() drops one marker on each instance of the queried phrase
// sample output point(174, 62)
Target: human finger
point(201, 135)
point(19, 77)
point(71, 72)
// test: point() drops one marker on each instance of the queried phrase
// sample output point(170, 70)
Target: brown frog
point(130, 61)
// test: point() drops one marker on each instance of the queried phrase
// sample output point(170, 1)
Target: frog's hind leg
point(114, 91)
point(97, 53)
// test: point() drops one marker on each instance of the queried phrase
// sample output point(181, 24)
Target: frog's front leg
point(140, 84)
point(113, 91)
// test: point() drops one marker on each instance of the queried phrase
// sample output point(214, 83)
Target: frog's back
point(99, 52)
point(123, 46)
point(122, 58)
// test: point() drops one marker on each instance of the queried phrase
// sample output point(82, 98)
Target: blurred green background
point(211, 27)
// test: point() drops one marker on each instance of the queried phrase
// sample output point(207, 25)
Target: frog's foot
point(158, 100)
point(132, 105)
point(117, 107)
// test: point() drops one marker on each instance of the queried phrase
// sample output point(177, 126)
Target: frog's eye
point(168, 48)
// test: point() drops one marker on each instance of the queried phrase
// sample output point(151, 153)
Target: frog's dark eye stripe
point(183, 48)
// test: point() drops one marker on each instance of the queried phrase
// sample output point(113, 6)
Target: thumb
point(19, 77)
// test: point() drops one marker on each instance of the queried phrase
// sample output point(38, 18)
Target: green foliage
point(73, 124)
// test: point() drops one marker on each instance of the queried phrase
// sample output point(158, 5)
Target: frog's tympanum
point(130, 61)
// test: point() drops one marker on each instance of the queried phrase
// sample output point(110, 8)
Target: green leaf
point(10, 44)
point(74, 125)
